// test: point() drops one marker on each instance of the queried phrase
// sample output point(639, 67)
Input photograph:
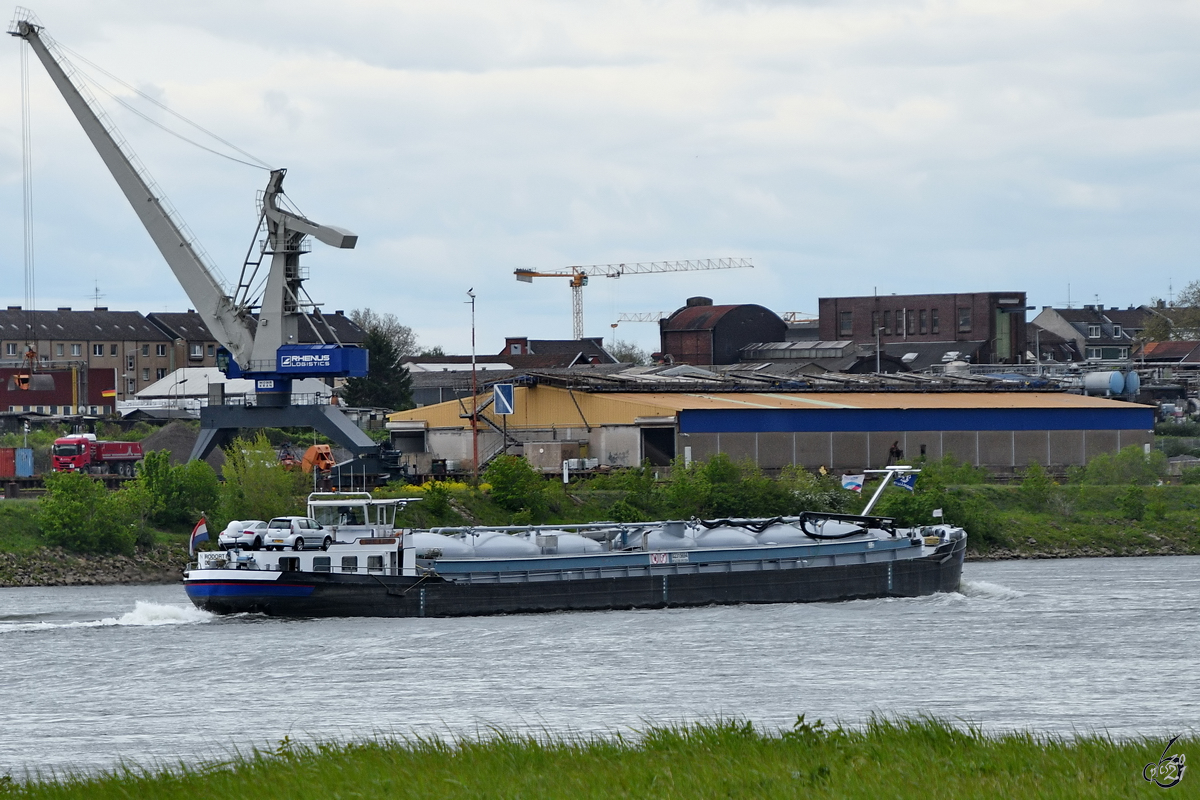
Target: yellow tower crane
point(579, 275)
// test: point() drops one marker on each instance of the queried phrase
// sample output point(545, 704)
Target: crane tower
point(578, 276)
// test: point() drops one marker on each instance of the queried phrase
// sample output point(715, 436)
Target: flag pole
point(890, 473)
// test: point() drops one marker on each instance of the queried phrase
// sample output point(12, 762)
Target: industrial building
point(843, 430)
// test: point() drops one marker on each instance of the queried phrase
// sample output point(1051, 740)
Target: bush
point(1130, 465)
point(516, 487)
point(1035, 488)
point(79, 513)
point(1133, 503)
point(174, 495)
point(1190, 475)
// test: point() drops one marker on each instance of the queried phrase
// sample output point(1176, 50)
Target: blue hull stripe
point(243, 589)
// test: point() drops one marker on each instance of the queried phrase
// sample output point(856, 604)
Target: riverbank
point(53, 566)
point(720, 759)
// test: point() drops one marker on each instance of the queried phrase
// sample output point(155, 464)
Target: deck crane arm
point(230, 325)
point(579, 276)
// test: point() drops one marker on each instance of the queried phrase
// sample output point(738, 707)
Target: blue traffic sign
point(502, 398)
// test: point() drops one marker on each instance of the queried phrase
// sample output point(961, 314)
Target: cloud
point(908, 146)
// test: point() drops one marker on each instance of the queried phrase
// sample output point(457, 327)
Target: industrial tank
point(1107, 382)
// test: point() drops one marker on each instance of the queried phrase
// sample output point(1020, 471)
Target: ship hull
point(305, 594)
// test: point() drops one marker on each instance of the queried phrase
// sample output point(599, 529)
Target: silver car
point(246, 534)
point(296, 533)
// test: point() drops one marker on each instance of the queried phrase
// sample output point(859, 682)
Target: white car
point(246, 534)
point(296, 533)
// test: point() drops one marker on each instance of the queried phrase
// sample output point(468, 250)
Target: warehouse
point(1001, 431)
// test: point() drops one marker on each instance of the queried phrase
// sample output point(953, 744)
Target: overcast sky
point(848, 148)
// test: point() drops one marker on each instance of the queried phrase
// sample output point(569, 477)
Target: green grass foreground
point(922, 758)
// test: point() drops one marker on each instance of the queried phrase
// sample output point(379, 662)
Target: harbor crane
point(578, 276)
point(259, 333)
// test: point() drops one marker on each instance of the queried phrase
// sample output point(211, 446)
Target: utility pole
point(474, 395)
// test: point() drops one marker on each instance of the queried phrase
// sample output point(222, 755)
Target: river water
point(91, 676)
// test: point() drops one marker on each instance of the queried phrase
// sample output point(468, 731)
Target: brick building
point(994, 321)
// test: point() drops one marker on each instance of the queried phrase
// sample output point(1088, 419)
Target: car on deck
point(245, 534)
point(296, 533)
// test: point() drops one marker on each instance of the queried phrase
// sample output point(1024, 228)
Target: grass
point(918, 758)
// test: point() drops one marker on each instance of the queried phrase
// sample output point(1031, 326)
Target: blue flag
point(908, 481)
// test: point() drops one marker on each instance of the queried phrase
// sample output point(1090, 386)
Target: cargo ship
point(373, 569)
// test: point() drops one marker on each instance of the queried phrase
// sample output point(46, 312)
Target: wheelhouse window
point(845, 323)
point(964, 320)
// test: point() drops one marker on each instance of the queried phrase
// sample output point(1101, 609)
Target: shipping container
point(24, 462)
point(8, 462)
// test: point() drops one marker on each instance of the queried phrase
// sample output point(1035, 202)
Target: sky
point(847, 148)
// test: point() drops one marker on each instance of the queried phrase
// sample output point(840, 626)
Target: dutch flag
point(199, 534)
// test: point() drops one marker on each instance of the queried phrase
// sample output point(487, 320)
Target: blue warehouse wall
point(899, 419)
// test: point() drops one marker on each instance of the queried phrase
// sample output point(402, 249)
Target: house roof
point(188, 326)
point(696, 318)
point(63, 324)
point(1176, 351)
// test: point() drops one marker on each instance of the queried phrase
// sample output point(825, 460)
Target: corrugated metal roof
point(696, 318)
point(547, 406)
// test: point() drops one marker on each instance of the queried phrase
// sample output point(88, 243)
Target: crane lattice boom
point(579, 276)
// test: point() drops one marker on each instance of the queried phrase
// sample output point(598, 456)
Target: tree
point(516, 486)
point(403, 340)
point(256, 484)
point(628, 352)
point(387, 384)
point(1179, 320)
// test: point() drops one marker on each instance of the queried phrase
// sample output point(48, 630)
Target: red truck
point(83, 453)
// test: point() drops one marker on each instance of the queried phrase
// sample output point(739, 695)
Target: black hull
point(335, 595)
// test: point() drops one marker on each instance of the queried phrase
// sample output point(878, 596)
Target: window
point(910, 321)
point(76, 349)
point(874, 322)
point(933, 320)
point(160, 349)
point(211, 351)
point(129, 363)
point(196, 351)
point(1093, 352)
point(349, 563)
point(160, 373)
point(112, 350)
point(321, 564)
point(66, 410)
point(845, 323)
point(1116, 331)
point(514, 349)
point(145, 350)
point(964, 320)
point(887, 322)
point(58, 350)
point(93, 411)
point(53, 409)
point(145, 373)
point(131, 386)
point(374, 563)
point(924, 321)
point(289, 564)
point(10, 348)
point(1093, 331)
point(97, 349)
point(1124, 352)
